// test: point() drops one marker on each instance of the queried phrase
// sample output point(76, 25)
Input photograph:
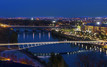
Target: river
point(72, 53)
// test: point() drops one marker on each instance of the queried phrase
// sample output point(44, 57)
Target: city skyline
point(53, 33)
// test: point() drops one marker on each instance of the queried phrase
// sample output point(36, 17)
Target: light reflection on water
point(39, 35)
point(57, 48)
point(35, 37)
point(49, 35)
point(43, 36)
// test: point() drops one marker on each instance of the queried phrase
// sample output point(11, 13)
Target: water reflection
point(33, 35)
point(49, 35)
point(39, 35)
point(18, 35)
point(63, 49)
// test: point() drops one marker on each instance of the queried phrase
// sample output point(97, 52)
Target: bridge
point(69, 53)
point(32, 26)
point(35, 44)
point(24, 26)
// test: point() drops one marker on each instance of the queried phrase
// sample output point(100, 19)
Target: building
point(96, 28)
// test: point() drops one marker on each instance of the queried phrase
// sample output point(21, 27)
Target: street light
point(98, 23)
point(53, 23)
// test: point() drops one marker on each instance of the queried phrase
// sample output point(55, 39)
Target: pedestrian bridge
point(35, 44)
point(54, 42)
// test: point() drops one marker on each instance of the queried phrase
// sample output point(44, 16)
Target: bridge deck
point(42, 43)
point(31, 26)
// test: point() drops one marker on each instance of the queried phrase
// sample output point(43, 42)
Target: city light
point(8, 59)
point(32, 18)
point(98, 23)
point(3, 25)
point(53, 21)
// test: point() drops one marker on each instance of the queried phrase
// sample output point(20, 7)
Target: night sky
point(64, 8)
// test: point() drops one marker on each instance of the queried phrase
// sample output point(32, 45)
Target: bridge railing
point(54, 42)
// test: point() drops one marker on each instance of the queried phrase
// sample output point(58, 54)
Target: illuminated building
point(96, 28)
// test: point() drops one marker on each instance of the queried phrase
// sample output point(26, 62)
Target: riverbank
point(60, 35)
point(31, 55)
point(69, 37)
point(47, 36)
point(7, 35)
point(10, 36)
point(12, 64)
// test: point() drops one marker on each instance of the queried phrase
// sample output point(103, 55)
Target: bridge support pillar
point(31, 45)
point(35, 45)
point(9, 47)
point(19, 47)
point(28, 46)
point(23, 47)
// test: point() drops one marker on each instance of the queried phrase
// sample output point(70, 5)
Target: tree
point(13, 37)
point(57, 61)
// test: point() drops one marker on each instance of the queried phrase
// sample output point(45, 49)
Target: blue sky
point(65, 8)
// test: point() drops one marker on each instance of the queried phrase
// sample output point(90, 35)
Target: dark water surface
point(75, 55)
point(72, 59)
